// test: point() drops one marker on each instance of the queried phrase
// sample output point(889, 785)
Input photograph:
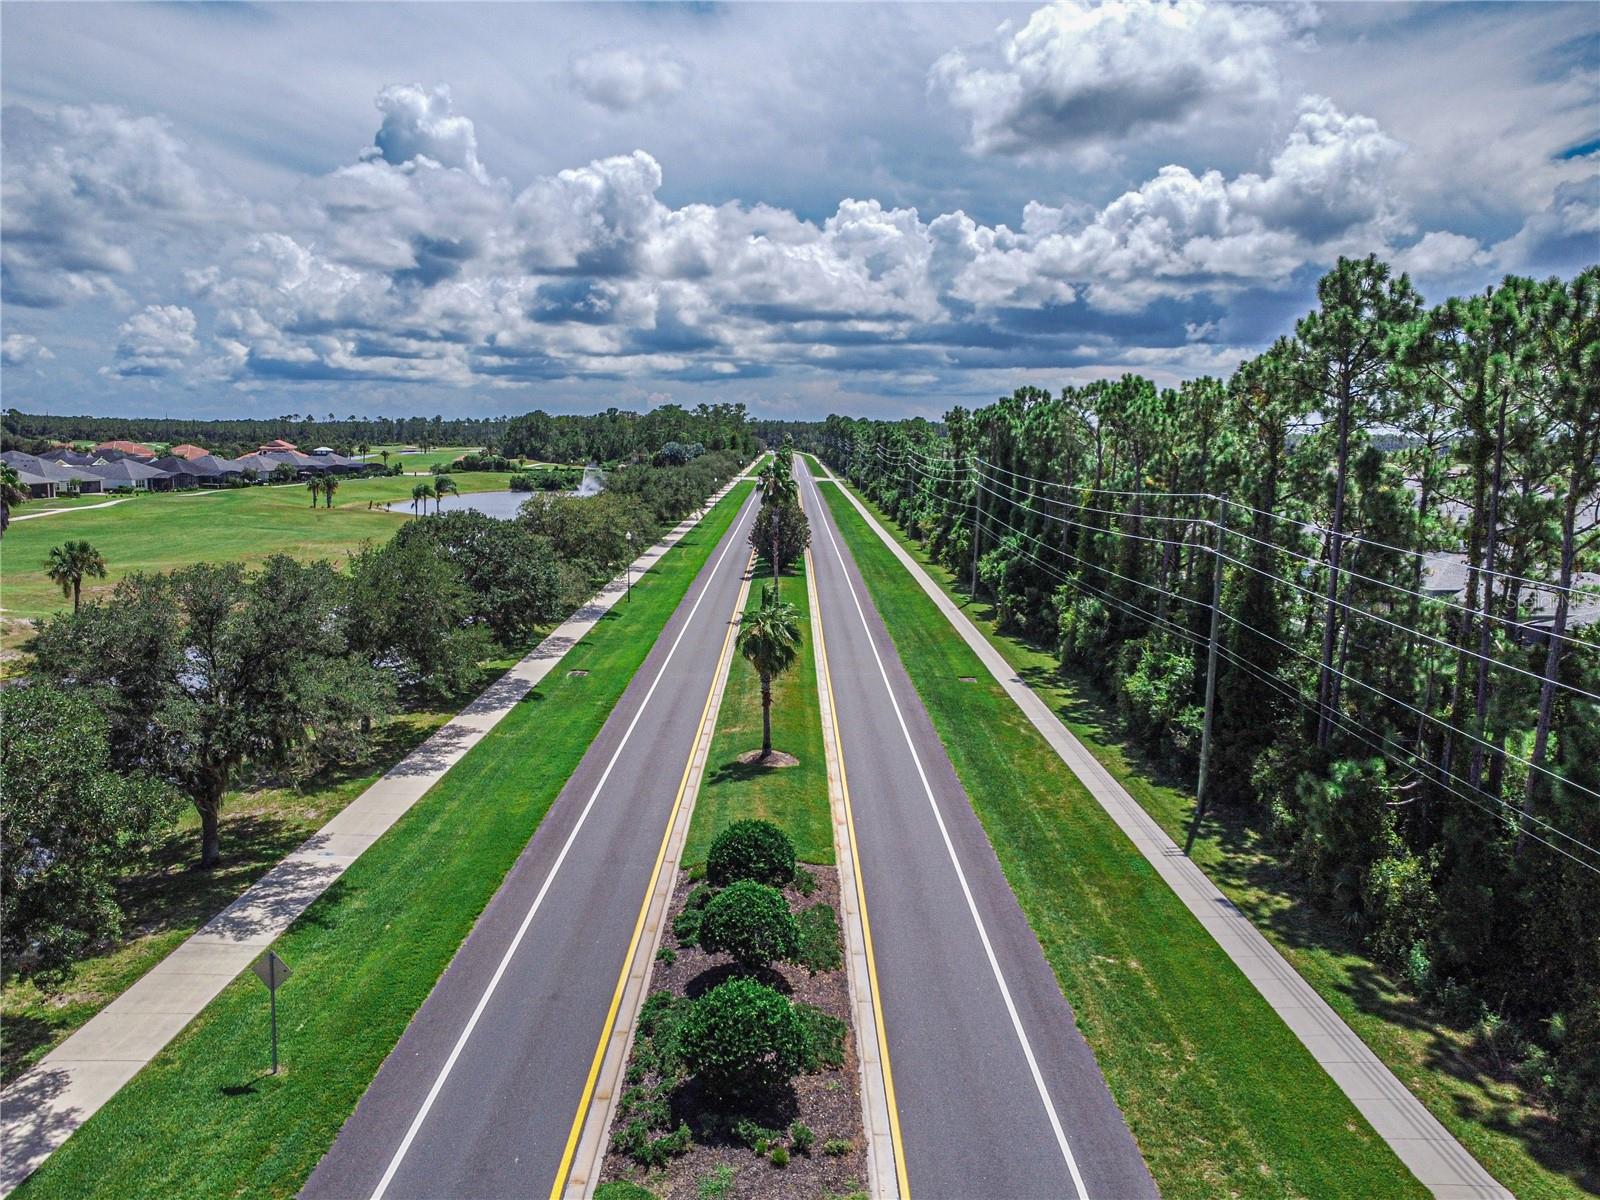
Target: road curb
point(877, 1118)
point(593, 1140)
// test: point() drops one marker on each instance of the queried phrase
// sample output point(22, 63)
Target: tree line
point(188, 684)
point(617, 435)
point(613, 436)
point(1379, 524)
point(31, 432)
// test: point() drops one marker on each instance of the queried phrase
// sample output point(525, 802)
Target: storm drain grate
point(968, 678)
point(575, 674)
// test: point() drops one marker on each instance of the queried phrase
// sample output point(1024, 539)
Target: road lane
point(999, 1096)
point(477, 1098)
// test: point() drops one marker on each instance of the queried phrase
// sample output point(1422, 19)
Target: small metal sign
point(272, 971)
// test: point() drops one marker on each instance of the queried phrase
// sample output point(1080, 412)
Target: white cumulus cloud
point(620, 78)
point(1080, 74)
point(83, 186)
point(20, 349)
point(418, 124)
point(156, 341)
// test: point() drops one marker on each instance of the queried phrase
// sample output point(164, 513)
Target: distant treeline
point(613, 436)
point(21, 429)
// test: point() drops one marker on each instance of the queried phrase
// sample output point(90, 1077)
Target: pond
point(503, 505)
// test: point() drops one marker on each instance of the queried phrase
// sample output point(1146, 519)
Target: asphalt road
point(998, 1095)
point(487, 1113)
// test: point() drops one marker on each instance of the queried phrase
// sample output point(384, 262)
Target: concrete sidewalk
point(43, 1107)
point(1441, 1163)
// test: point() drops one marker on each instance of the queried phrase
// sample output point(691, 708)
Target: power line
point(1344, 535)
point(1509, 622)
point(1356, 728)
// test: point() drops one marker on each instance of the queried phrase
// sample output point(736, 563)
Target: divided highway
point(997, 1093)
point(479, 1096)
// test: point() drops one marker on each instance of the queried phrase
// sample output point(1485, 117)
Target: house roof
point(278, 444)
point(263, 463)
point(129, 469)
point(127, 447)
point(188, 451)
point(44, 470)
point(66, 454)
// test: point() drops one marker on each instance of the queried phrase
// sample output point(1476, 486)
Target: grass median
point(1220, 1095)
point(793, 798)
point(204, 1118)
point(1472, 1095)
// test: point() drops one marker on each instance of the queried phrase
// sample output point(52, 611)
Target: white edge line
point(505, 961)
point(966, 891)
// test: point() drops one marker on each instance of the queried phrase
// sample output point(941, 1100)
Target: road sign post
point(272, 971)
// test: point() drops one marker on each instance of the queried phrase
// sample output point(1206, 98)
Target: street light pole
point(630, 566)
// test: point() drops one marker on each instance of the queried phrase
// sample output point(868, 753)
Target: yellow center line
point(861, 895)
point(587, 1097)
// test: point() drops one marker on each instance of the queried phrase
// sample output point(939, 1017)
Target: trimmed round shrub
point(752, 922)
point(756, 850)
point(743, 1040)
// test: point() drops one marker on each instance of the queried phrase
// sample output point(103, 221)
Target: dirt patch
point(722, 1162)
point(778, 758)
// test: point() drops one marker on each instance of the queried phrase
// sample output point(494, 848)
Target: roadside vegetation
point(1395, 508)
point(205, 1117)
point(286, 691)
point(1220, 1095)
point(1452, 1067)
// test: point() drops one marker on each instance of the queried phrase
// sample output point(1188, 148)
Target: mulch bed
point(828, 1102)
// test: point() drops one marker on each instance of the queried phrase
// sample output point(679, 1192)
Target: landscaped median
point(793, 798)
point(743, 1079)
point(1222, 1098)
point(205, 1118)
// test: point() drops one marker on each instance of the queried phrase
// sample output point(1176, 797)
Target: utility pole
point(1211, 677)
point(977, 527)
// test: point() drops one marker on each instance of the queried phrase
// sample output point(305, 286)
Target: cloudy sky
point(878, 209)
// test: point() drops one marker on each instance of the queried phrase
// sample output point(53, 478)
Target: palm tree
point(777, 486)
point(330, 485)
point(769, 638)
point(70, 563)
point(362, 449)
point(385, 455)
point(314, 486)
point(421, 494)
point(12, 493)
point(442, 487)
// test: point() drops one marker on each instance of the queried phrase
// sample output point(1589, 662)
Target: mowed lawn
point(423, 460)
point(1472, 1096)
point(205, 1118)
point(161, 531)
point(1220, 1095)
point(793, 798)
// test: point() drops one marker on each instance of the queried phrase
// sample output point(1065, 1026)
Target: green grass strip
point(1221, 1096)
point(1471, 1096)
point(204, 1118)
point(793, 798)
